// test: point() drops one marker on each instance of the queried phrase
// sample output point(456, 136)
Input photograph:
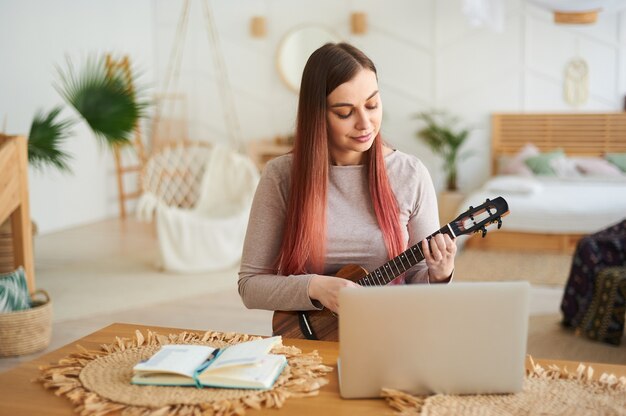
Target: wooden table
point(20, 396)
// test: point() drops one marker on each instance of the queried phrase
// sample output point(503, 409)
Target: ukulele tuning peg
point(499, 223)
point(484, 231)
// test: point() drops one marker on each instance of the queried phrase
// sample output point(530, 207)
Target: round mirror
point(295, 49)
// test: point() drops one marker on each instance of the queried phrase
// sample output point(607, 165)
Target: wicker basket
point(27, 331)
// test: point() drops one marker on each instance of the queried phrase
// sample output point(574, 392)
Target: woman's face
point(354, 113)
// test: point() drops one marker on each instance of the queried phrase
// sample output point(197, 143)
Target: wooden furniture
point(122, 167)
point(576, 18)
point(14, 203)
point(578, 134)
point(262, 151)
point(20, 396)
point(258, 27)
point(449, 204)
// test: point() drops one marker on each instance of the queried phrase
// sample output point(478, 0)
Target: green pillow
point(540, 164)
point(618, 159)
point(14, 294)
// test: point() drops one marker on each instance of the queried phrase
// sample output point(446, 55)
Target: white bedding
point(556, 205)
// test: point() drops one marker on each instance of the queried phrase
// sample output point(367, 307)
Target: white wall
point(426, 53)
point(34, 37)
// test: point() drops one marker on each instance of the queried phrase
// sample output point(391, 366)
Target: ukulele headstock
point(476, 219)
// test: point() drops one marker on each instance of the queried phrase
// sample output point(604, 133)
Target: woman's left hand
point(440, 257)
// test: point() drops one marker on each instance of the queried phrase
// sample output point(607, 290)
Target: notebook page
point(178, 359)
point(244, 353)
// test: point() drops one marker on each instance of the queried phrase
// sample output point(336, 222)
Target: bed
point(553, 213)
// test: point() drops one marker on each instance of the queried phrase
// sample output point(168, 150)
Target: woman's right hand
point(325, 289)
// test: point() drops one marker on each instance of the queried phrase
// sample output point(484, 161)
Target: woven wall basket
point(27, 331)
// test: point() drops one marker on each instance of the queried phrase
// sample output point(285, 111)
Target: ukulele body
point(324, 324)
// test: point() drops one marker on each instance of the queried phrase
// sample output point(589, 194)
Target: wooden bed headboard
point(578, 134)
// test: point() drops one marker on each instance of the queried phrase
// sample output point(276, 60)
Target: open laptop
point(461, 338)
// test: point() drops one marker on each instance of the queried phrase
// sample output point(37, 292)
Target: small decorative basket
point(27, 331)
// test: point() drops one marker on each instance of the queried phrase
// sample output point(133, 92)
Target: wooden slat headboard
point(589, 134)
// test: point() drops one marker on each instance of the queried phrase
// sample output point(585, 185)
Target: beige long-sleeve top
point(353, 235)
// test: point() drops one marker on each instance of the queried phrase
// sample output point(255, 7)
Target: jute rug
point(546, 391)
point(538, 268)
point(98, 382)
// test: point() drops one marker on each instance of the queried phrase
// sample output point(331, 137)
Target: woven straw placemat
point(547, 391)
point(98, 382)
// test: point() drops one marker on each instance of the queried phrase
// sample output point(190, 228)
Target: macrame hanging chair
point(198, 193)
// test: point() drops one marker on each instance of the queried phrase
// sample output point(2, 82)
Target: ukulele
point(323, 324)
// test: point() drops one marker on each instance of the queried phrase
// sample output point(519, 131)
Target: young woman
point(341, 197)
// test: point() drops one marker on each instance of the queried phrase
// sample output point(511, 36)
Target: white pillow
point(565, 167)
point(514, 184)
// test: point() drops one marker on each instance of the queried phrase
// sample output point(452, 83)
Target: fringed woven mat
point(98, 382)
point(547, 391)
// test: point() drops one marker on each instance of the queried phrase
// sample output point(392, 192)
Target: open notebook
point(247, 365)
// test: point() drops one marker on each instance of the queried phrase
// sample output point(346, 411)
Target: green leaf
point(45, 138)
point(105, 101)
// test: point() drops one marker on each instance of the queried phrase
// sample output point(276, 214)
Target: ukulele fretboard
point(399, 264)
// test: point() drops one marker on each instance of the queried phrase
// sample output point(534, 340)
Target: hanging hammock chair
point(200, 196)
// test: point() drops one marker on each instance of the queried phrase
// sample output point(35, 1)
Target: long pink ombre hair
point(303, 244)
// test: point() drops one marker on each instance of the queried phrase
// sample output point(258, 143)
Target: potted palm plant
point(102, 99)
point(445, 139)
point(46, 134)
